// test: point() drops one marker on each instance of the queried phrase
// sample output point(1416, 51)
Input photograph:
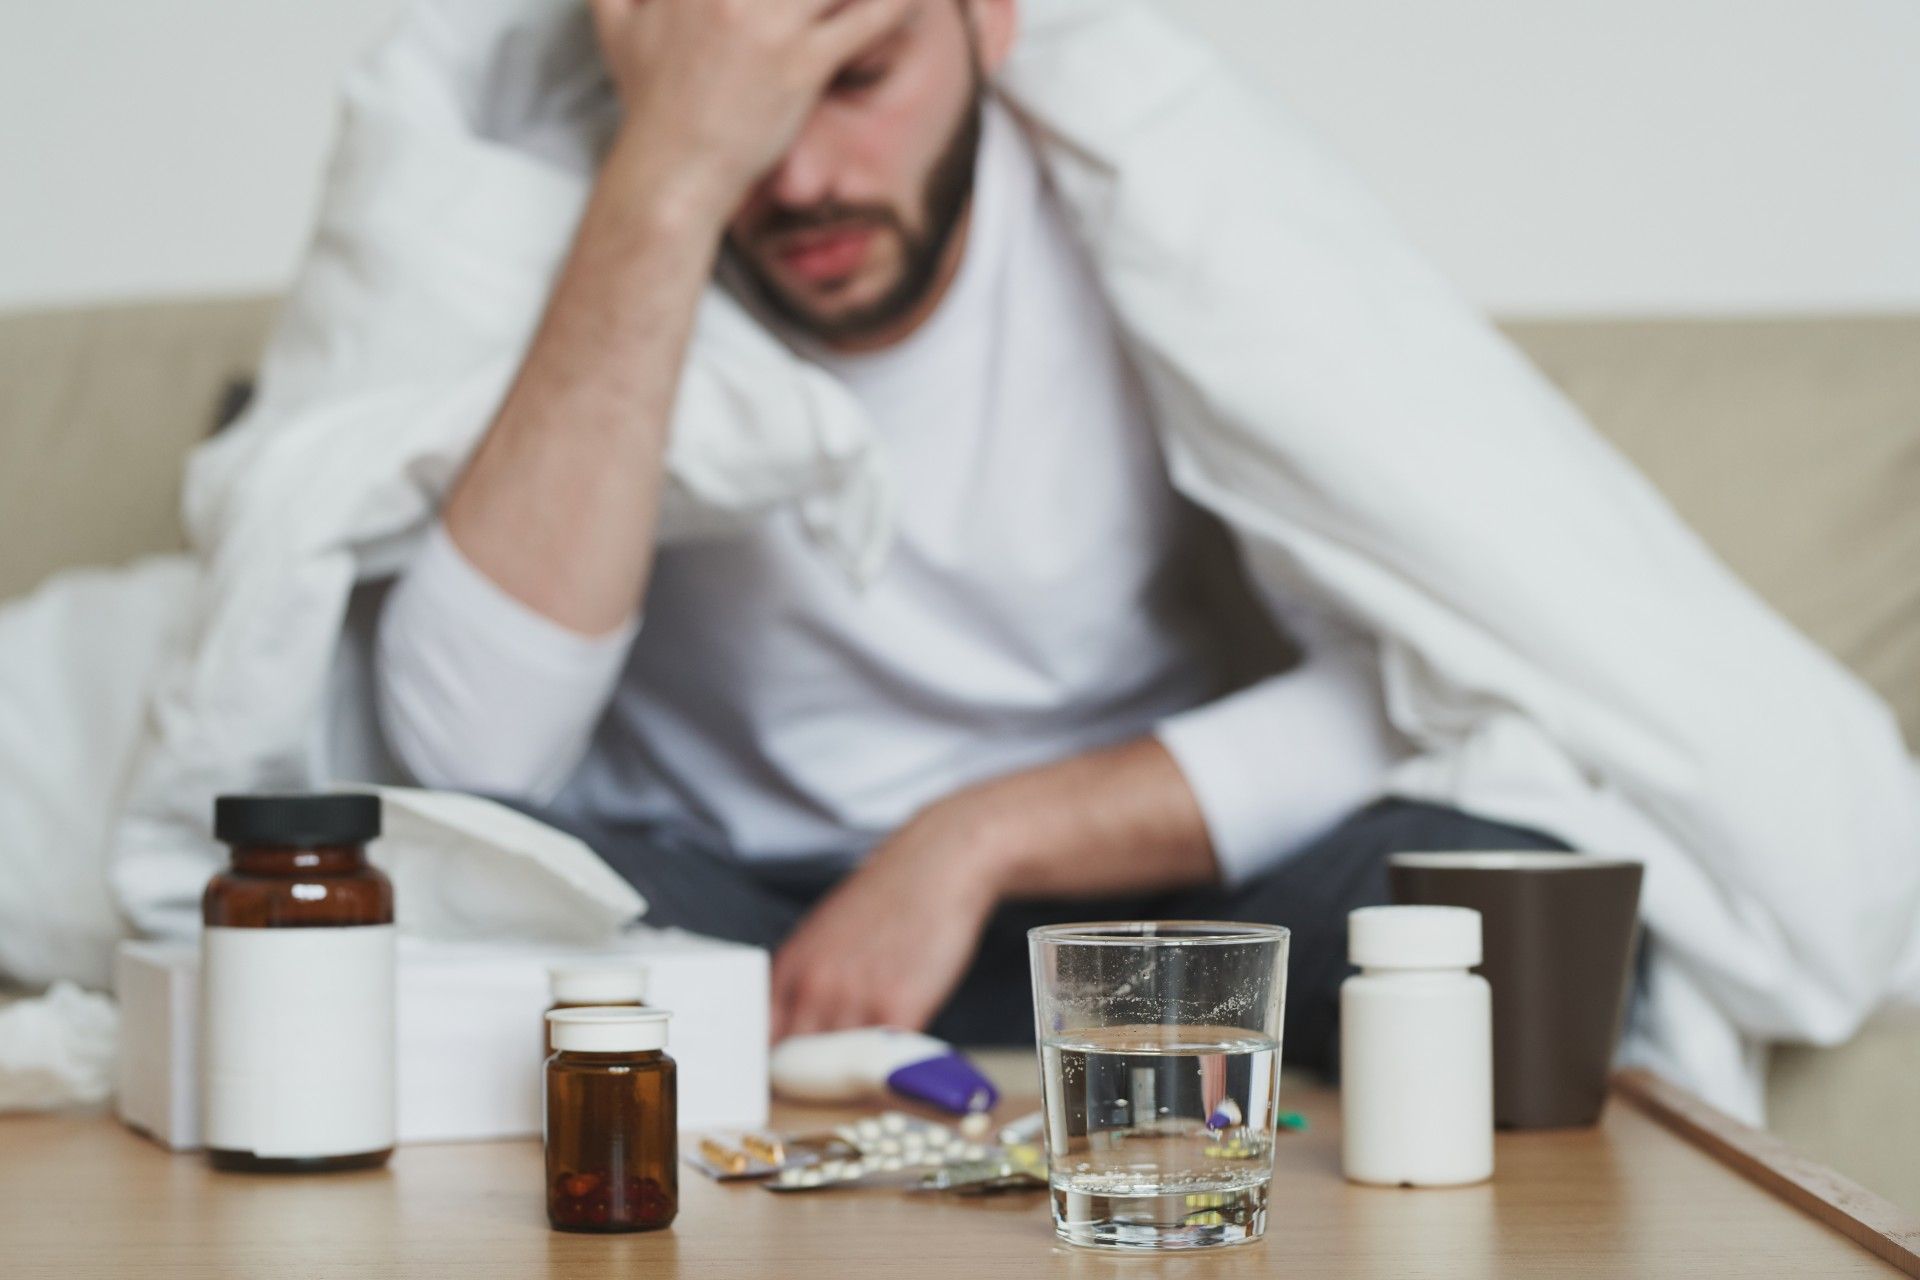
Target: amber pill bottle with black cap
point(297, 988)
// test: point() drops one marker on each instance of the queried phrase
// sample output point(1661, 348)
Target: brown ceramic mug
point(1558, 932)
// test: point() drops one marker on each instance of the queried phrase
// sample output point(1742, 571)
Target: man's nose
point(805, 175)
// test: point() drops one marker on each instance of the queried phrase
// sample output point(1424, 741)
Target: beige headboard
point(98, 407)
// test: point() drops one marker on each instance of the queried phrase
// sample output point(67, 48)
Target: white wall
point(164, 146)
point(1553, 155)
point(1622, 155)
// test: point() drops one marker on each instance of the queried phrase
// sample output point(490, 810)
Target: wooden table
point(1640, 1195)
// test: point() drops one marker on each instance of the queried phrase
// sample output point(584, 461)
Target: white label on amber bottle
point(297, 1036)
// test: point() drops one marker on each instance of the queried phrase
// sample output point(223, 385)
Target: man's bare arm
point(1113, 822)
point(559, 504)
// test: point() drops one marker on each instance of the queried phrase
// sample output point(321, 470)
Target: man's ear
point(995, 23)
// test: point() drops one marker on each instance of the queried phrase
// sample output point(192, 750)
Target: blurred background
point(1578, 157)
point(1700, 217)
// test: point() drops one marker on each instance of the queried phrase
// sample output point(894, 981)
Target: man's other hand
point(889, 945)
point(721, 87)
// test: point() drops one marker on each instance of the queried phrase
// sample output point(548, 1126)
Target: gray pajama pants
point(693, 885)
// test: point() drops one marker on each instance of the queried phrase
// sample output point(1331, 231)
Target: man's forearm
point(888, 945)
point(559, 504)
point(1117, 821)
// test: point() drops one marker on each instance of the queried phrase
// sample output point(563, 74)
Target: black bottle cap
point(295, 821)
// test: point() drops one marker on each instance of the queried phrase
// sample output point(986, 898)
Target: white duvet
point(1561, 650)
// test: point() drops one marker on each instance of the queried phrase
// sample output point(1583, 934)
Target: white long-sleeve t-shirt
point(1038, 602)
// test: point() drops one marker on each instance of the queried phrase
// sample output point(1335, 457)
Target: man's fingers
point(846, 30)
point(779, 1016)
point(821, 999)
point(843, 1005)
point(806, 1022)
point(608, 13)
point(783, 995)
point(858, 22)
point(797, 996)
point(776, 1022)
point(899, 1009)
point(815, 1009)
point(820, 10)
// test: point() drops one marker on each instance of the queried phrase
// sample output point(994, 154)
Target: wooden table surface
point(80, 1196)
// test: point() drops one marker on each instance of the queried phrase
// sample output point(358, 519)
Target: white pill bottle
point(1416, 1049)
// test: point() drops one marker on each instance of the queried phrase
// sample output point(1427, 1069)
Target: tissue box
point(471, 1038)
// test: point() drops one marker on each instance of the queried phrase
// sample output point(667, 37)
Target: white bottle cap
point(1414, 937)
point(609, 1030)
point(598, 982)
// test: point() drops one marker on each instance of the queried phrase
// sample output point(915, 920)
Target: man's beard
point(944, 198)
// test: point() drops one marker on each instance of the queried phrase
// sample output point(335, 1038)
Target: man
point(1026, 718)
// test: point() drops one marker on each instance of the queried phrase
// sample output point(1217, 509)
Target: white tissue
point(467, 868)
point(57, 1050)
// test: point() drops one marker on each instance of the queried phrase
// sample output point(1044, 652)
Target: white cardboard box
point(471, 1037)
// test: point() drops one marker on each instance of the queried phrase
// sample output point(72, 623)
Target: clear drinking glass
point(1160, 1071)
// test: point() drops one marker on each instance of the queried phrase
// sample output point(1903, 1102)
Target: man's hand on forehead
point(718, 89)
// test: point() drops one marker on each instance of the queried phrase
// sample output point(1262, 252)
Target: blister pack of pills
point(741, 1157)
point(894, 1149)
point(889, 1150)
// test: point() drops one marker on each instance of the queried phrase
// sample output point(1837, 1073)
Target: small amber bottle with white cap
point(1416, 1049)
point(612, 1138)
point(596, 984)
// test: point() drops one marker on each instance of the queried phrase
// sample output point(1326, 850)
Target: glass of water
point(1160, 1072)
